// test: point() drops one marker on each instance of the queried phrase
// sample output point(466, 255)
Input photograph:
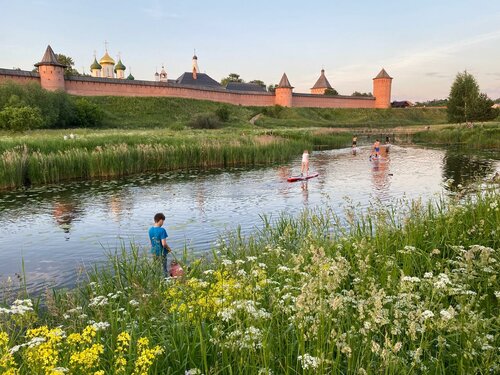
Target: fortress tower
point(283, 93)
point(382, 89)
point(51, 71)
point(321, 84)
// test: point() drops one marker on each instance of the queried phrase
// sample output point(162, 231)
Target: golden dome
point(106, 59)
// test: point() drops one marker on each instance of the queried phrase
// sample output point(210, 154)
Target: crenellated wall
point(92, 86)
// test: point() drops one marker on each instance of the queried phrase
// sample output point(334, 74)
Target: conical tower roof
point(322, 82)
point(284, 82)
point(130, 77)
point(49, 58)
point(95, 65)
point(383, 74)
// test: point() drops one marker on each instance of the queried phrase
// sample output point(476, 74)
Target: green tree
point(357, 93)
point(20, 118)
point(258, 82)
point(69, 63)
point(232, 77)
point(272, 87)
point(331, 92)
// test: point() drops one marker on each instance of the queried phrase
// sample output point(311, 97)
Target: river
point(58, 230)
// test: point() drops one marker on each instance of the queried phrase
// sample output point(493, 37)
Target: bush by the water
point(223, 113)
point(304, 295)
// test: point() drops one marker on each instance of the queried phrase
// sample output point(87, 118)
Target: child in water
point(305, 163)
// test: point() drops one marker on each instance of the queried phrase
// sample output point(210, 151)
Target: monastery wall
point(90, 86)
point(86, 86)
point(18, 76)
point(324, 101)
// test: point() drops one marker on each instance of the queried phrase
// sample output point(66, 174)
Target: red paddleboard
point(302, 178)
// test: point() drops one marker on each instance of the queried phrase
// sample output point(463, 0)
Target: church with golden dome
point(106, 68)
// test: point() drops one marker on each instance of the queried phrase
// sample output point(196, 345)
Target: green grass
point(481, 136)
point(133, 112)
point(397, 291)
point(45, 157)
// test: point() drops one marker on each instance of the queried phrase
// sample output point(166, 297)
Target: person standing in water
point(158, 237)
point(305, 163)
point(376, 148)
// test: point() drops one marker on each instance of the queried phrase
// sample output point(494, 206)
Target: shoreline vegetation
point(398, 291)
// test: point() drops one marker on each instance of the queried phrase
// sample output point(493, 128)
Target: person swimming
point(376, 148)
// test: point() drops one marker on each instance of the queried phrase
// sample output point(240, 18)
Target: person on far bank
point(354, 141)
point(305, 163)
point(158, 237)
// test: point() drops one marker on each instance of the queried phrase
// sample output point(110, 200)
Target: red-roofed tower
point(382, 84)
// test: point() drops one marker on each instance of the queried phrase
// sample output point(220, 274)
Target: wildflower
point(98, 301)
point(411, 279)
point(99, 326)
point(146, 356)
point(307, 361)
point(442, 281)
point(193, 371)
point(427, 314)
point(133, 302)
point(447, 314)
point(497, 294)
point(428, 275)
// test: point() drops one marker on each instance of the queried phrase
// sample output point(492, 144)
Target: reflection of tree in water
point(464, 169)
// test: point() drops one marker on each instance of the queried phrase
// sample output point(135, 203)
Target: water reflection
point(464, 168)
point(202, 205)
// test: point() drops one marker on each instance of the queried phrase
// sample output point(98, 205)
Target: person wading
point(158, 237)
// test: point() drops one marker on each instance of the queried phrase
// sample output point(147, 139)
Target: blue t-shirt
point(156, 234)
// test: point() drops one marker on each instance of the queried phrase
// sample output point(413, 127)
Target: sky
point(422, 44)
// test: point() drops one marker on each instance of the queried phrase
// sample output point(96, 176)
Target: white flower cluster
point(427, 314)
point(133, 302)
point(100, 326)
point(19, 306)
point(251, 338)
point(309, 362)
point(98, 301)
point(442, 281)
point(410, 279)
point(193, 371)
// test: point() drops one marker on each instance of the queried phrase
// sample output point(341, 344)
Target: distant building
point(242, 86)
point(106, 67)
point(402, 104)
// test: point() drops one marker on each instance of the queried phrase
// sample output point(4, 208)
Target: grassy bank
point(45, 157)
point(303, 296)
point(173, 112)
point(482, 136)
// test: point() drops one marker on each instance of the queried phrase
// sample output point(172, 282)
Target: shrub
point(274, 111)
point(20, 118)
point(88, 114)
point(223, 113)
point(205, 121)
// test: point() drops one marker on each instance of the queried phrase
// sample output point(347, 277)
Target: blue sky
point(421, 44)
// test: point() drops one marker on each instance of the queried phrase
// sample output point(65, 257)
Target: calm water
point(58, 229)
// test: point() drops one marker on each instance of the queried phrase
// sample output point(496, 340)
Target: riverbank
point(51, 156)
point(303, 295)
point(480, 136)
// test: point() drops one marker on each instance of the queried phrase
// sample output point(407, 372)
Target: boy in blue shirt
point(158, 237)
